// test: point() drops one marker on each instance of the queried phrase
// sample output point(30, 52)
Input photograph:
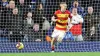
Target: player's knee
point(59, 39)
point(52, 39)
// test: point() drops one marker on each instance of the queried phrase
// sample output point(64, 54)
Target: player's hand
point(69, 26)
point(54, 19)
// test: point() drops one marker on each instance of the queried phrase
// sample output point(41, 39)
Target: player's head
point(74, 11)
point(63, 6)
point(75, 3)
point(90, 9)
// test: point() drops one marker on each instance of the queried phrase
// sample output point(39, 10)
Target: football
point(19, 46)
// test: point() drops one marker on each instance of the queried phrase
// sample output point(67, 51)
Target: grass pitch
point(53, 54)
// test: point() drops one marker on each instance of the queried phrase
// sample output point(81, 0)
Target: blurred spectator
point(45, 27)
point(15, 26)
point(44, 2)
point(34, 3)
point(3, 3)
point(9, 7)
point(28, 27)
point(86, 3)
point(46, 24)
point(91, 22)
point(5, 11)
point(76, 25)
point(23, 7)
point(41, 20)
point(36, 27)
point(79, 8)
point(12, 4)
point(37, 33)
point(96, 5)
point(28, 2)
point(39, 14)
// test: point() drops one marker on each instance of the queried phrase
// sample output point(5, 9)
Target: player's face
point(63, 7)
point(74, 11)
point(90, 10)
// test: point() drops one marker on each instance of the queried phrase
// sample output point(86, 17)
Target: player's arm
point(69, 22)
point(74, 22)
point(54, 19)
point(80, 19)
point(77, 20)
point(70, 18)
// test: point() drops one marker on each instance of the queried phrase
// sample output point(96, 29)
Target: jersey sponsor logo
point(62, 21)
point(63, 15)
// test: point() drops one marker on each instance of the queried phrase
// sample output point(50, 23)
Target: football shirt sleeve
point(70, 16)
point(55, 14)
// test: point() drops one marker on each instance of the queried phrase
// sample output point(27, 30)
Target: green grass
point(53, 54)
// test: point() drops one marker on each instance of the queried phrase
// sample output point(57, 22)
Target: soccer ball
point(19, 46)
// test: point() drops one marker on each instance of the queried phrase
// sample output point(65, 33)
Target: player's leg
point(61, 36)
point(59, 39)
point(53, 44)
point(54, 35)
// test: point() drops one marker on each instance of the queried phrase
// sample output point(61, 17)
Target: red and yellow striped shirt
point(61, 23)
